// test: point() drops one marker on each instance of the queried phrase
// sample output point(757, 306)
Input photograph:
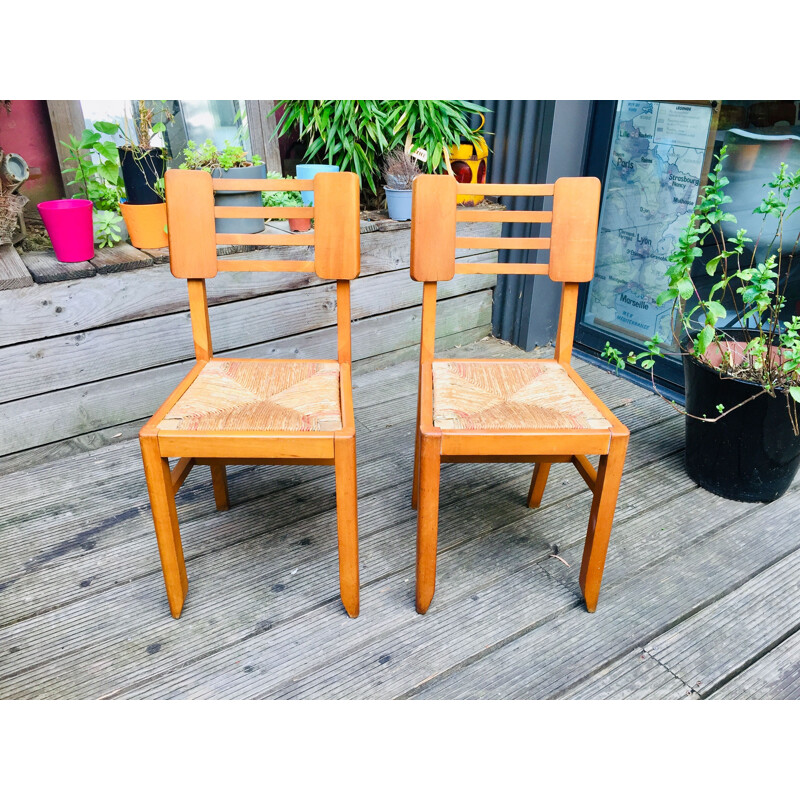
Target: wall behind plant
point(26, 131)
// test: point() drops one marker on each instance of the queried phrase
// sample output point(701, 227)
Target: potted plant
point(230, 162)
point(286, 200)
point(399, 171)
point(354, 135)
point(143, 165)
point(93, 164)
point(741, 355)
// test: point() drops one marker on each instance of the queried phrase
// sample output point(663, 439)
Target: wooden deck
point(699, 598)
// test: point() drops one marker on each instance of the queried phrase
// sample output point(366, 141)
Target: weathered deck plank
point(547, 661)
point(635, 676)
point(689, 581)
point(776, 676)
point(713, 646)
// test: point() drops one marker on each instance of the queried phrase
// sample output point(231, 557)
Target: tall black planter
point(233, 198)
point(751, 454)
point(140, 174)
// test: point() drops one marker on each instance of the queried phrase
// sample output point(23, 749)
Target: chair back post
point(433, 246)
point(573, 241)
point(337, 244)
point(201, 327)
point(192, 245)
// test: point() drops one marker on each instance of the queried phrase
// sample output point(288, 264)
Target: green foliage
point(354, 134)
point(280, 199)
point(207, 157)
point(107, 230)
point(93, 164)
point(751, 292)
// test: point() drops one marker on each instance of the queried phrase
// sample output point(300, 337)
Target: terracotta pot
point(300, 224)
point(147, 224)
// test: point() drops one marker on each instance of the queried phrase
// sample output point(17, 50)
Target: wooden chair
point(536, 411)
point(256, 411)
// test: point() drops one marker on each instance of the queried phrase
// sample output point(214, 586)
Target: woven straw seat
point(513, 395)
point(260, 395)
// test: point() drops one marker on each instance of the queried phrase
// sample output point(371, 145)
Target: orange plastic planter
point(147, 225)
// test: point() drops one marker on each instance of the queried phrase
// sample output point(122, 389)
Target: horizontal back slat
point(261, 185)
point(273, 212)
point(476, 215)
point(274, 239)
point(234, 265)
point(501, 243)
point(501, 269)
point(516, 190)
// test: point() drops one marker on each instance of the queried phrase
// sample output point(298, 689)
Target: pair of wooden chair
point(267, 411)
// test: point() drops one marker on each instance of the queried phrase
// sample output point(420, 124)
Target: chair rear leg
point(165, 519)
point(538, 482)
point(427, 519)
point(347, 520)
point(219, 480)
point(604, 504)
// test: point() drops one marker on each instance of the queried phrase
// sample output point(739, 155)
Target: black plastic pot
point(248, 199)
point(751, 454)
point(140, 173)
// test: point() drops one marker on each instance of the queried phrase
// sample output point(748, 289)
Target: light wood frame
point(572, 240)
point(193, 256)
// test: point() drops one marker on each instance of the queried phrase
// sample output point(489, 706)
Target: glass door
point(657, 154)
point(653, 158)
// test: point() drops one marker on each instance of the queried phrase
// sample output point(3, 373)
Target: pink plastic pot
point(69, 225)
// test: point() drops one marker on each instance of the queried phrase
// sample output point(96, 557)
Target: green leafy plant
point(107, 230)
point(354, 134)
point(746, 291)
point(207, 157)
point(93, 164)
point(280, 199)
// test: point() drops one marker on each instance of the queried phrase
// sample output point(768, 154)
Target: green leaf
point(108, 150)
point(794, 391)
point(159, 127)
point(685, 288)
point(109, 128)
point(109, 171)
point(667, 294)
point(88, 139)
point(704, 339)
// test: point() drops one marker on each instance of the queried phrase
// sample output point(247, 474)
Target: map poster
point(654, 175)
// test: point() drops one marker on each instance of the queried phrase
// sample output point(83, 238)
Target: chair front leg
point(165, 519)
point(427, 518)
point(347, 518)
point(604, 503)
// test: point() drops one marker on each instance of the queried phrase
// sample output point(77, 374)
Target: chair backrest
point(571, 242)
point(193, 241)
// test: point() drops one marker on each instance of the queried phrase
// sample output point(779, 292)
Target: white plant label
point(421, 154)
